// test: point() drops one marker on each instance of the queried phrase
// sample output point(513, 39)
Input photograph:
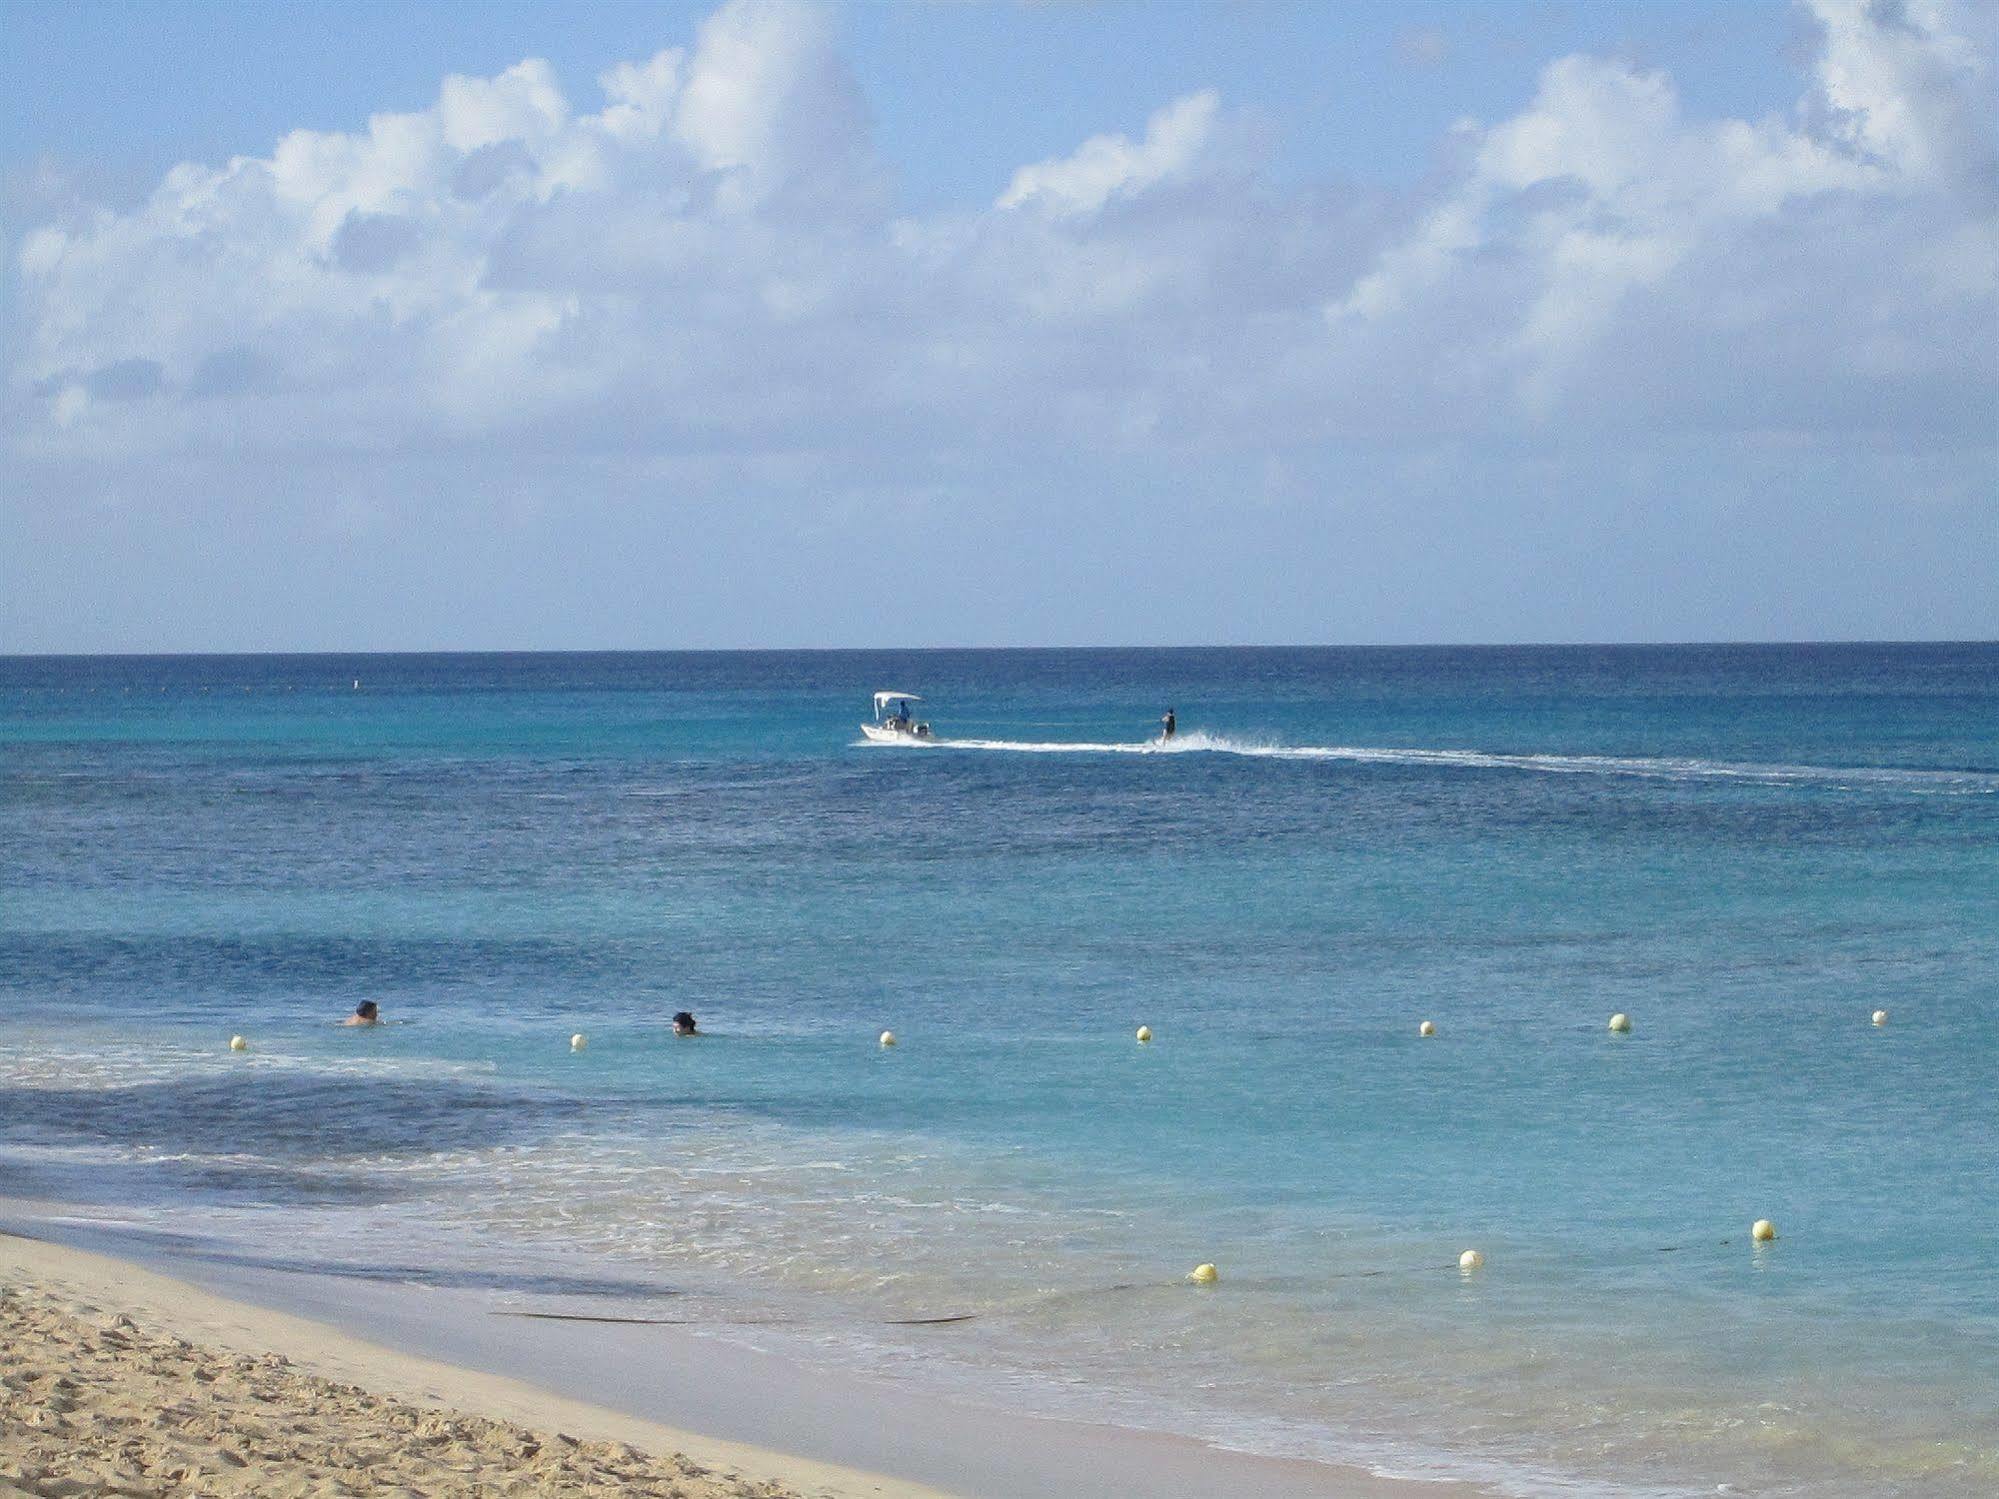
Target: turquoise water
point(1746, 849)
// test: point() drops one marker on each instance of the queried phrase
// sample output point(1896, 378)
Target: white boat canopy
point(883, 699)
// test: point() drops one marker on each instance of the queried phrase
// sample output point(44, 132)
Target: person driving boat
point(894, 722)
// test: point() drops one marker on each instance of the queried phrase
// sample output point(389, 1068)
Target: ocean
point(1746, 849)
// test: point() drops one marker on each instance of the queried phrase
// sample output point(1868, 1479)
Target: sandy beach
point(120, 1381)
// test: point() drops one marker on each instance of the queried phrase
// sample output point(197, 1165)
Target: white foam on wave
point(33, 1063)
point(1658, 767)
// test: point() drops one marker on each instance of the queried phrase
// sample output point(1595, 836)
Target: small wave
point(80, 1070)
point(1658, 767)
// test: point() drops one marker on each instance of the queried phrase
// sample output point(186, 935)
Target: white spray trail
point(1675, 768)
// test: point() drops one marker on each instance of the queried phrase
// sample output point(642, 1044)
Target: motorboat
point(896, 727)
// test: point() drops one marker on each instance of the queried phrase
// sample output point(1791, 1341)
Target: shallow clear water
point(1746, 849)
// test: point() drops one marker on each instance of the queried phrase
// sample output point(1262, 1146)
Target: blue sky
point(960, 94)
point(774, 324)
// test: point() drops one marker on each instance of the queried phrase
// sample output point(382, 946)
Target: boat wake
point(1674, 768)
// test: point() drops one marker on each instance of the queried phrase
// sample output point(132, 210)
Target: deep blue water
point(1746, 849)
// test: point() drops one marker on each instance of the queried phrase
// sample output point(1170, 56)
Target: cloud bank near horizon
point(710, 259)
point(704, 270)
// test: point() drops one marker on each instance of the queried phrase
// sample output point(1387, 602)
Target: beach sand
point(116, 1378)
point(119, 1381)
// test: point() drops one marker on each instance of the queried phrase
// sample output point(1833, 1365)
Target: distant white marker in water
point(1763, 1231)
point(357, 684)
point(1470, 1260)
point(1621, 1023)
point(237, 1043)
point(1427, 1028)
point(578, 1041)
point(888, 1038)
point(1880, 1017)
point(1144, 1033)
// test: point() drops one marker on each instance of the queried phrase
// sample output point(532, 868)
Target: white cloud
point(1909, 82)
point(523, 103)
point(1113, 166)
point(707, 261)
point(1601, 189)
point(641, 96)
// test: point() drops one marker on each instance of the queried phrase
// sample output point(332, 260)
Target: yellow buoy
point(1427, 1028)
point(237, 1043)
point(888, 1038)
point(1145, 1033)
point(1621, 1023)
point(1471, 1259)
point(1204, 1275)
point(578, 1041)
point(1763, 1231)
point(1880, 1017)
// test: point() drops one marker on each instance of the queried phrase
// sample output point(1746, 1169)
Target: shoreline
point(743, 1415)
point(141, 1307)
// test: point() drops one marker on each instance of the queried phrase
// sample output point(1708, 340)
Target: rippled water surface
point(1748, 850)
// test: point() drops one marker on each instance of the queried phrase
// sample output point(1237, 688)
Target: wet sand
point(119, 1381)
point(325, 1384)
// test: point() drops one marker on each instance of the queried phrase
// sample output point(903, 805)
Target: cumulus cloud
point(706, 258)
point(1909, 84)
point(1112, 166)
point(1601, 190)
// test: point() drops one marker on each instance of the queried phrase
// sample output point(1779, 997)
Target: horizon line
point(829, 650)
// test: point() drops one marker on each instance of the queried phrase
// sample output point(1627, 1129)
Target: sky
point(532, 325)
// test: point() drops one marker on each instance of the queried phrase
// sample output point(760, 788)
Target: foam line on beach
point(1658, 767)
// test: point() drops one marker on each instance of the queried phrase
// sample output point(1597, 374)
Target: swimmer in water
point(683, 1024)
point(1168, 725)
point(365, 1013)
